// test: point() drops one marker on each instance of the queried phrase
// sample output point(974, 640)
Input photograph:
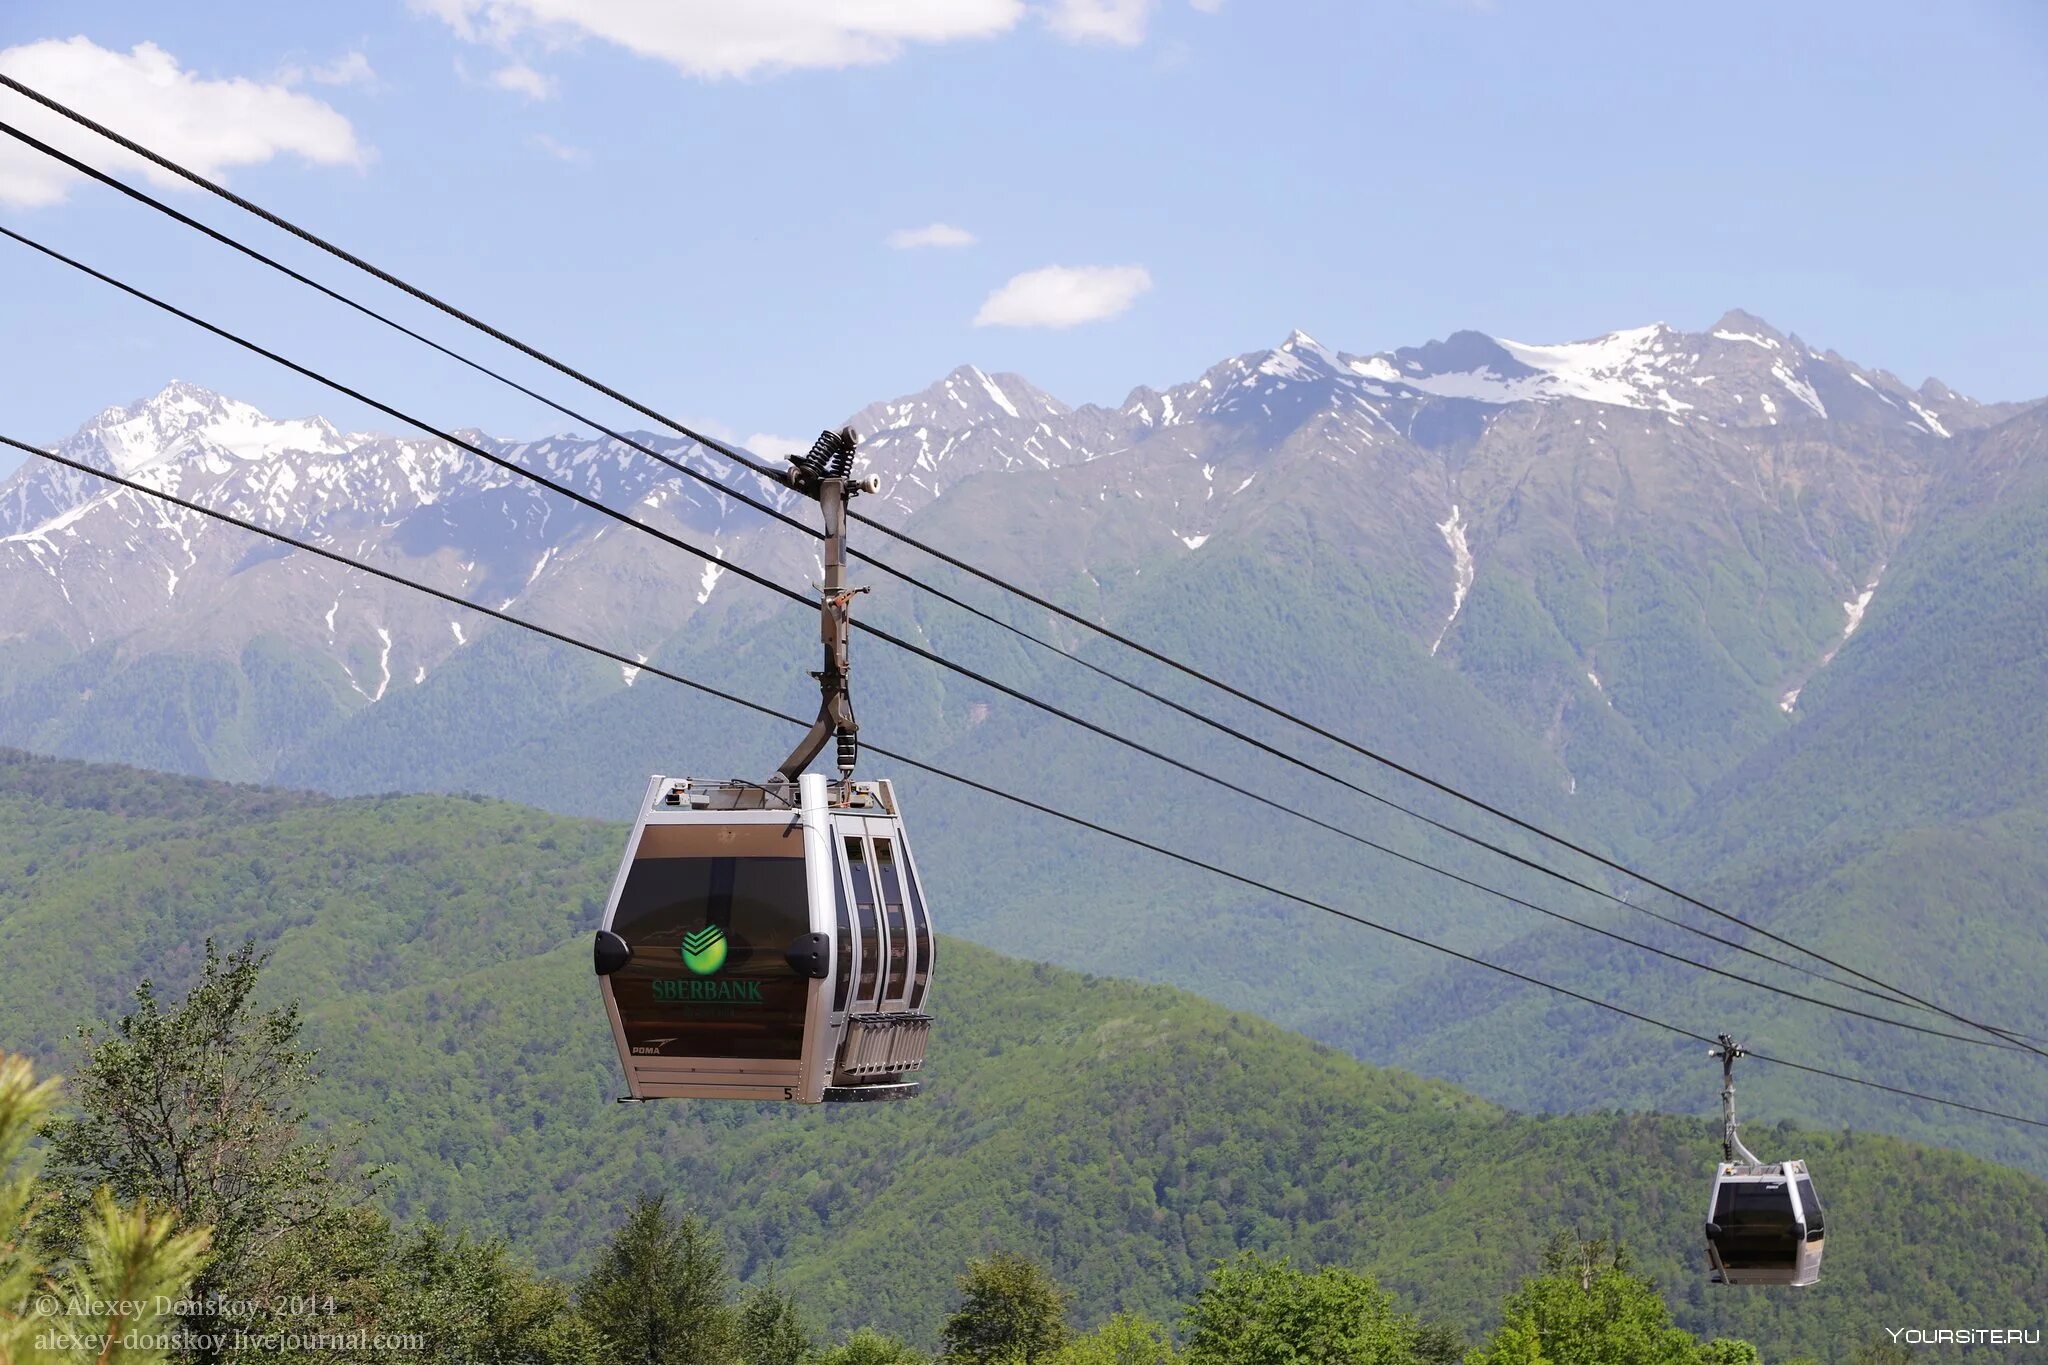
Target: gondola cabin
point(1764, 1225)
point(768, 943)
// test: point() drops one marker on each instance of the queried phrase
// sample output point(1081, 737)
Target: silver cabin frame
point(1805, 1267)
point(871, 1048)
point(883, 1034)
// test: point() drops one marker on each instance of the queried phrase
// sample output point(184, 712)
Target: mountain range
point(1761, 618)
point(1460, 438)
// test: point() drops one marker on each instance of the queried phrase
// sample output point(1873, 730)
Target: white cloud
point(1101, 21)
point(932, 234)
point(351, 68)
point(211, 126)
point(1064, 296)
point(774, 447)
point(559, 150)
point(1207, 6)
point(523, 80)
point(735, 37)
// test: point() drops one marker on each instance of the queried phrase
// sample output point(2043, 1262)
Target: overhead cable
point(1002, 794)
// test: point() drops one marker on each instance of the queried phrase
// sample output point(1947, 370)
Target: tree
point(771, 1331)
point(1010, 1311)
point(1516, 1343)
point(435, 1295)
point(1439, 1343)
point(196, 1108)
point(132, 1256)
point(659, 1292)
point(1259, 1312)
point(1730, 1351)
point(1587, 1308)
point(1125, 1339)
point(869, 1347)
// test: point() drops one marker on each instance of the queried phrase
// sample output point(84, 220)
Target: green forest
point(183, 1209)
point(444, 1064)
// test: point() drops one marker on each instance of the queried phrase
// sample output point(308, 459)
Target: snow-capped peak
point(1301, 354)
point(1629, 368)
point(1626, 368)
point(1747, 329)
point(184, 417)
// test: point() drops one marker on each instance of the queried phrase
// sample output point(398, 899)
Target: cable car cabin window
point(1809, 1204)
point(1754, 1205)
point(898, 981)
point(924, 940)
point(844, 955)
point(1757, 1228)
point(709, 912)
point(870, 932)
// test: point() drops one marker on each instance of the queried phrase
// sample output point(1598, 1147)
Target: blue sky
point(701, 213)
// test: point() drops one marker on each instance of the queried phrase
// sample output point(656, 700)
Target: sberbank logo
point(704, 951)
point(685, 990)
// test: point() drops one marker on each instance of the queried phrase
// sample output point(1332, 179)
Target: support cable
point(986, 789)
point(926, 654)
point(767, 509)
point(1448, 789)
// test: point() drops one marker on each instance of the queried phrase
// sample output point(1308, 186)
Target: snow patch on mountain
point(61, 523)
point(1463, 570)
point(709, 578)
point(1799, 388)
point(1861, 604)
point(1632, 369)
point(1623, 369)
point(1933, 422)
point(1853, 612)
point(995, 392)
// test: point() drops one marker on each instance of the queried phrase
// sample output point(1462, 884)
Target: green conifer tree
point(869, 1347)
point(100, 1305)
point(660, 1291)
point(771, 1330)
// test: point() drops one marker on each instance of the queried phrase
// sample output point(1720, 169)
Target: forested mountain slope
point(1761, 619)
point(1898, 825)
point(1126, 1134)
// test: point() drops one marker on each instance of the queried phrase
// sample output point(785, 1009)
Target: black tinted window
point(870, 932)
point(1809, 1203)
point(844, 954)
point(923, 923)
point(708, 976)
point(1755, 1206)
point(892, 909)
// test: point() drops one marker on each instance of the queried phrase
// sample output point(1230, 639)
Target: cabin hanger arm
point(825, 475)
